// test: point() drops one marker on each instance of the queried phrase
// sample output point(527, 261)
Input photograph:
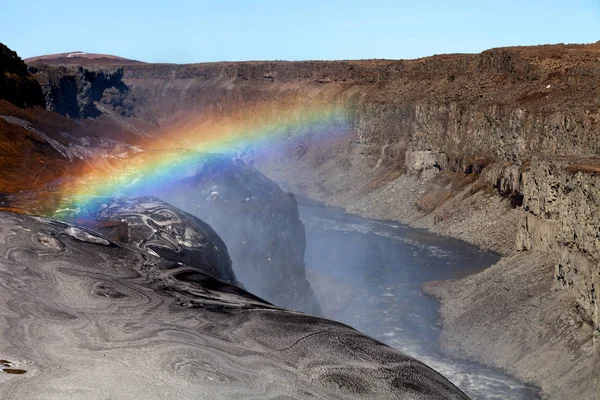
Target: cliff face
point(16, 85)
point(18, 136)
point(562, 200)
point(74, 90)
point(504, 104)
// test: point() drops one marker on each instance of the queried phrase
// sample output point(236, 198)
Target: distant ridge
point(81, 58)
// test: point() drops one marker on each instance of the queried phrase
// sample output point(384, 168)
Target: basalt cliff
point(500, 149)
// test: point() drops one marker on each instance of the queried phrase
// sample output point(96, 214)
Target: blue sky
point(194, 31)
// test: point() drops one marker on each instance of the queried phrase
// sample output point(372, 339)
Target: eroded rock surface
point(538, 322)
point(163, 230)
point(562, 200)
point(84, 317)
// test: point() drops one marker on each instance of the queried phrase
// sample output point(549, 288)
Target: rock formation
point(85, 317)
point(562, 201)
point(73, 90)
point(16, 85)
point(162, 230)
point(258, 221)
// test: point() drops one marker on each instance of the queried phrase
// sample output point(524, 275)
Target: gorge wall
point(500, 149)
point(562, 203)
point(73, 90)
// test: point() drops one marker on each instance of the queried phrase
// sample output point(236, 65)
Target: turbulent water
point(383, 265)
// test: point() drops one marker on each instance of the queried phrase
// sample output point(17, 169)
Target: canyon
point(499, 149)
point(124, 296)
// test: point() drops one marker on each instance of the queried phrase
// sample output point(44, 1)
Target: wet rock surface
point(162, 230)
point(85, 317)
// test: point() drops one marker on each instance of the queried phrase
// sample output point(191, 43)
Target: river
point(381, 266)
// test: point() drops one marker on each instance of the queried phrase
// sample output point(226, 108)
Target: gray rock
point(85, 319)
point(164, 231)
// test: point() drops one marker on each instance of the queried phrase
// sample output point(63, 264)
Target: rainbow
point(163, 160)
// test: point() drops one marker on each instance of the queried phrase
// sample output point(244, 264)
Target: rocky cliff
point(16, 85)
point(74, 91)
point(562, 201)
point(19, 93)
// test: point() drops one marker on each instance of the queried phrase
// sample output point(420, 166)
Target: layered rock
point(562, 200)
point(504, 103)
